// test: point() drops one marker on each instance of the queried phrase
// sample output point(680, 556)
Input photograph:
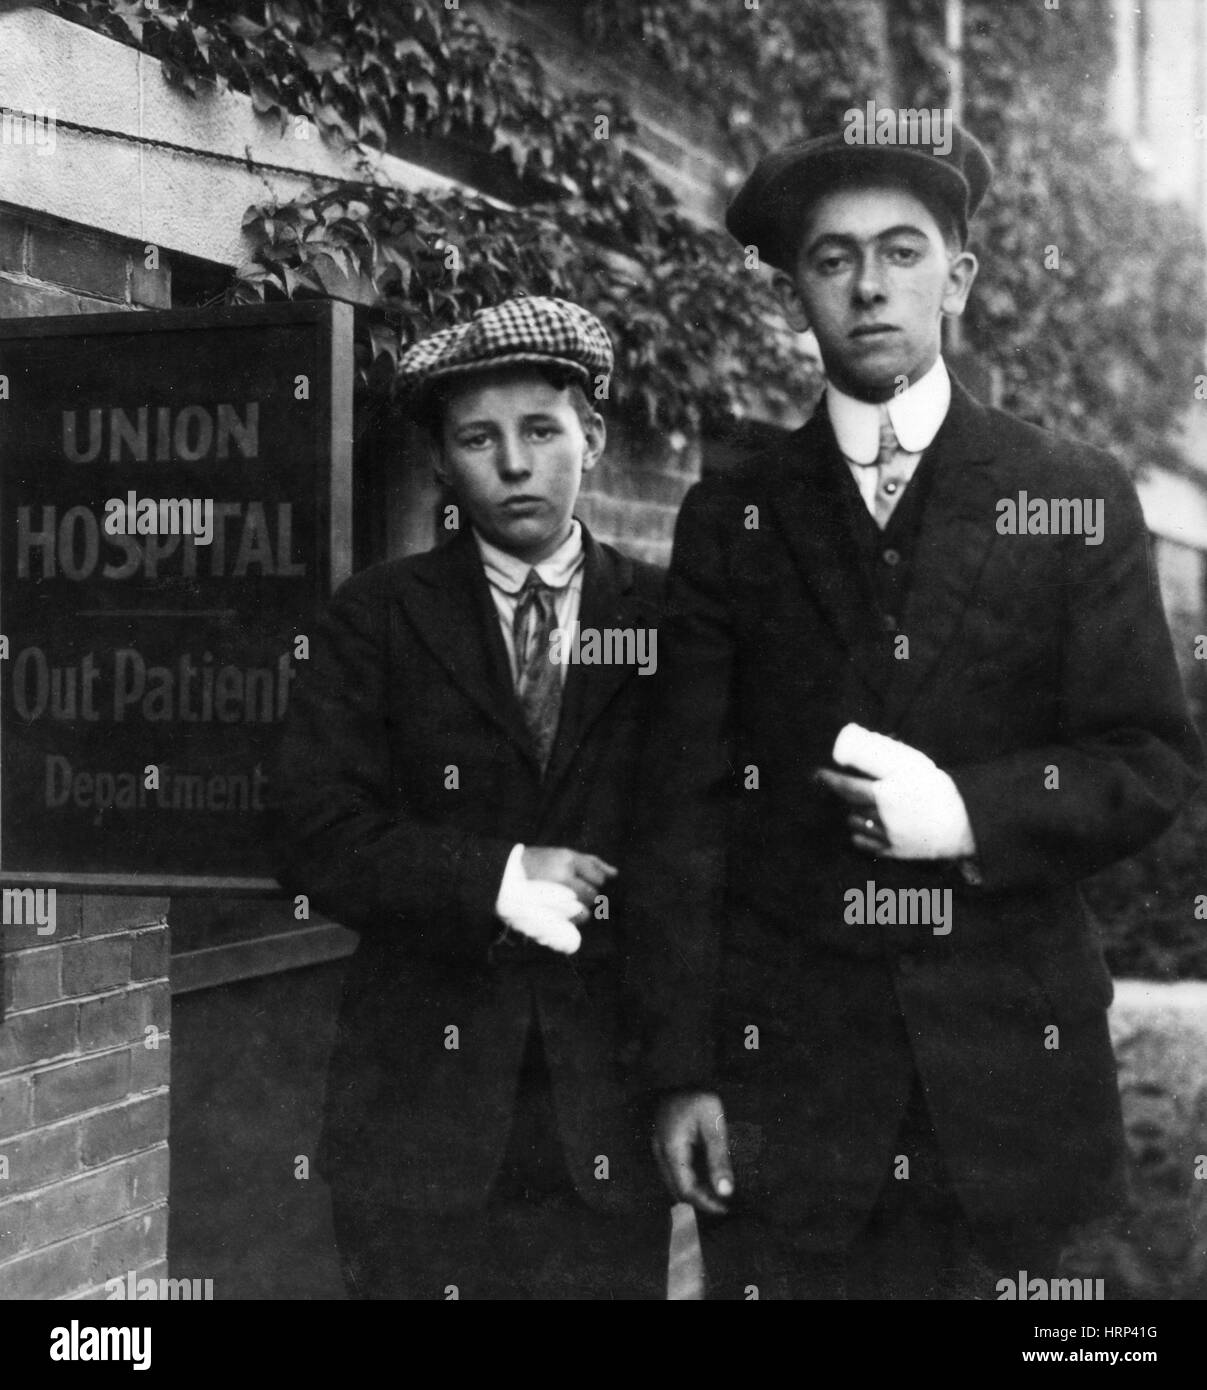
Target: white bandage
point(917, 803)
point(537, 908)
point(876, 755)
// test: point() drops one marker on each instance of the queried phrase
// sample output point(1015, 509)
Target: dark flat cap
point(948, 167)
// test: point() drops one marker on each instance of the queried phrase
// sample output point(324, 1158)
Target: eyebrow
point(842, 239)
point(531, 418)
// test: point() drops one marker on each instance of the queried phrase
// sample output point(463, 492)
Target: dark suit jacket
point(1025, 653)
point(409, 681)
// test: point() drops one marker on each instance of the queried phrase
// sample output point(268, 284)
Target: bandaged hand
point(902, 805)
point(538, 909)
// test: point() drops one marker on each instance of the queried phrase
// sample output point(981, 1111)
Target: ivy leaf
point(251, 272)
point(263, 99)
point(371, 125)
point(333, 118)
point(303, 278)
point(133, 17)
point(321, 58)
point(384, 339)
point(245, 28)
point(424, 87)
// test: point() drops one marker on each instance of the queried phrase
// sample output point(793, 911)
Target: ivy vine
point(1105, 344)
point(1090, 295)
point(694, 328)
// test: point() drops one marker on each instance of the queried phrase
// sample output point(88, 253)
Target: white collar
point(508, 573)
point(916, 415)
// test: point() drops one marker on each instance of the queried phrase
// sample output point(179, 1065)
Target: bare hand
point(687, 1125)
point(584, 874)
point(918, 815)
point(864, 822)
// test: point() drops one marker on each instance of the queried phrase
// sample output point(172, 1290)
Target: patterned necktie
point(891, 476)
point(538, 680)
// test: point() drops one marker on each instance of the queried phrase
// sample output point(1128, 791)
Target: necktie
point(890, 472)
point(538, 680)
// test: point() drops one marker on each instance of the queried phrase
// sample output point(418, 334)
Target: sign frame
point(332, 322)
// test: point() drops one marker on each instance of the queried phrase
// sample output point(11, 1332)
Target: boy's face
point(514, 450)
point(872, 279)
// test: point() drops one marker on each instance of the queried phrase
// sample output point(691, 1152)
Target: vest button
point(891, 557)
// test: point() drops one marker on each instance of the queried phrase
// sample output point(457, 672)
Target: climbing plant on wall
point(1090, 295)
point(695, 328)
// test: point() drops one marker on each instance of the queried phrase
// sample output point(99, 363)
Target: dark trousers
point(916, 1243)
point(535, 1237)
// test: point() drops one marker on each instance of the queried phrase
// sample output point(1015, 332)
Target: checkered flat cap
point(541, 331)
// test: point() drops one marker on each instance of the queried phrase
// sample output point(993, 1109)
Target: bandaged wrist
point(537, 908)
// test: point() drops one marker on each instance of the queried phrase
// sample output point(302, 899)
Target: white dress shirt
point(562, 571)
point(915, 414)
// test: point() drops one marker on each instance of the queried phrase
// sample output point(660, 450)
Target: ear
point(791, 302)
point(439, 462)
point(595, 432)
point(961, 272)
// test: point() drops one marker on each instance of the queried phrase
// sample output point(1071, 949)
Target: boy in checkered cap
point(458, 782)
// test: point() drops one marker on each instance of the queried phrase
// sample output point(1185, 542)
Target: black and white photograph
point(603, 667)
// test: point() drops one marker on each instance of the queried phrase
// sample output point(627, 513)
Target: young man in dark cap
point(906, 709)
point(458, 782)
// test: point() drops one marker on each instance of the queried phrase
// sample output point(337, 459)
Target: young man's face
point(514, 450)
point(872, 279)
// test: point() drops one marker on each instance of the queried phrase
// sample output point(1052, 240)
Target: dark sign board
point(175, 505)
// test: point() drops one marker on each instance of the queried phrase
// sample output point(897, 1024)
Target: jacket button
point(891, 557)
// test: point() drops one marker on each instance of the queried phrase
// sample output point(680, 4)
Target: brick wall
point(84, 1060)
point(83, 1084)
point(631, 498)
point(51, 267)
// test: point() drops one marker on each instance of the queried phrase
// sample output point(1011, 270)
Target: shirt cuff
point(513, 877)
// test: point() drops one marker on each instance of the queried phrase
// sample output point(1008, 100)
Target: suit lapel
point(449, 604)
point(953, 543)
point(806, 491)
point(608, 600)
